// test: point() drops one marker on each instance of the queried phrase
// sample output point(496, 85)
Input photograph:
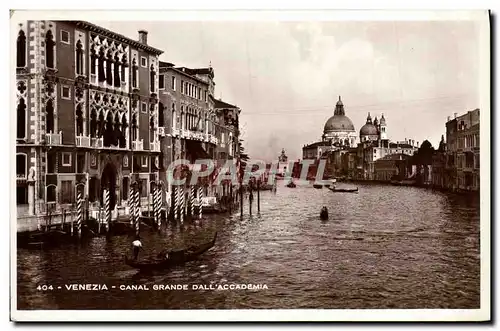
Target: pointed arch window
point(21, 49)
point(109, 71)
point(152, 74)
point(124, 65)
point(161, 119)
point(100, 65)
point(117, 81)
point(93, 58)
point(100, 125)
point(134, 128)
point(79, 58)
point(134, 73)
point(49, 49)
point(79, 120)
point(93, 124)
point(117, 130)
point(49, 117)
point(21, 119)
point(123, 136)
point(108, 132)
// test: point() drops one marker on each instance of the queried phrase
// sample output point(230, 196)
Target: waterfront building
point(186, 98)
point(391, 167)
point(87, 115)
point(463, 152)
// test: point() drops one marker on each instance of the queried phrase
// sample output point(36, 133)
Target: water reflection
point(385, 247)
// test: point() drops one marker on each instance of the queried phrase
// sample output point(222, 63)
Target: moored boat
point(345, 190)
point(291, 184)
point(168, 259)
point(315, 185)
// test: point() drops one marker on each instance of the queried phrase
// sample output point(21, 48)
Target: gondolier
point(136, 246)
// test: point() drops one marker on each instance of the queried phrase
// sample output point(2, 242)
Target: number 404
point(44, 287)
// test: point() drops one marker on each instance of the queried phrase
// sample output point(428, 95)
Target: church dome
point(368, 130)
point(338, 122)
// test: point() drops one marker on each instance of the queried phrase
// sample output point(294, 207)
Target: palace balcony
point(138, 145)
point(175, 132)
point(154, 146)
point(54, 138)
point(97, 142)
point(82, 141)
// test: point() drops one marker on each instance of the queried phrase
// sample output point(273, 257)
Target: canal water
point(385, 247)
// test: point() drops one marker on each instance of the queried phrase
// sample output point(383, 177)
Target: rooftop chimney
point(417, 144)
point(455, 115)
point(143, 37)
point(449, 118)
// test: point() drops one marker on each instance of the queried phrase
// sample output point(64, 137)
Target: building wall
point(59, 162)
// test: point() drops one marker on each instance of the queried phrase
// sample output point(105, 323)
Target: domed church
point(339, 130)
point(338, 133)
point(373, 131)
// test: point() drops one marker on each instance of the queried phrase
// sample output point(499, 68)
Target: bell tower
point(383, 128)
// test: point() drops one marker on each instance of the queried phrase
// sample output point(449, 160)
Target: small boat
point(324, 213)
point(318, 185)
point(291, 184)
point(168, 259)
point(346, 190)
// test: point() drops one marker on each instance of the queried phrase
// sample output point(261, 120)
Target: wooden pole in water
point(258, 196)
point(79, 210)
point(200, 198)
point(137, 210)
point(106, 209)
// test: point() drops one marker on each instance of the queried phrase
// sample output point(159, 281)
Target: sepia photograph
point(250, 166)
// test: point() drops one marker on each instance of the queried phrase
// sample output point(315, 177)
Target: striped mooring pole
point(182, 204)
point(136, 210)
point(79, 211)
point(200, 196)
point(107, 212)
point(192, 201)
point(131, 205)
point(157, 206)
point(176, 202)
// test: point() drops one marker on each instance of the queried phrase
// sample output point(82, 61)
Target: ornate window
point(109, 132)
point(134, 74)
point(79, 121)
point(117, 81)
point(21, 119)
point(93, 58)
point(174, 117)
point(79, 59)
point(93, 123)
point(161, 119)
point(49, 49)
point(152, 74)
point(100, 64)
point(134, 128)
point(49, 117)
point(21, 49)
point(109, 66)
point(21, 166)
point(124, 65)
point(123, 137)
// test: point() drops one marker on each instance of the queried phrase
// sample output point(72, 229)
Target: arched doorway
point(108, 180)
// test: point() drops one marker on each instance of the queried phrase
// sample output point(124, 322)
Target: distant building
point(282, 163)
point(391, 167)
point(463, 152)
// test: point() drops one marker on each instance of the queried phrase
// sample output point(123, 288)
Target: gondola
point(345, 190)
point(319, 186)
point(174, 258)
point(291, 185)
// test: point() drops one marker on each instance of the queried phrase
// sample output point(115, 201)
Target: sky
point(287, 76)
